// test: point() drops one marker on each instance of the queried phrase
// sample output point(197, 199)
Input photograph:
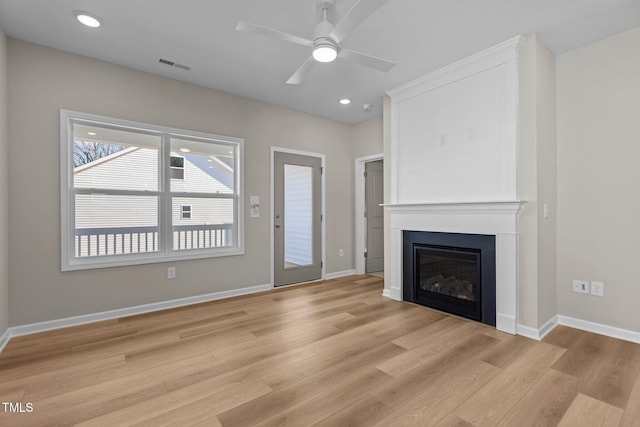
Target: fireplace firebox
point(451, 272)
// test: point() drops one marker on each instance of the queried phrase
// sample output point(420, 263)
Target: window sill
point(126, 261)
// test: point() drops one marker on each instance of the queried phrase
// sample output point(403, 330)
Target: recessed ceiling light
point(345, 101)
point(91, 133)
point(87, 19)
point(185, 150)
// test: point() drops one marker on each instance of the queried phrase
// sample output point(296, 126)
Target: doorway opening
point(369, 195)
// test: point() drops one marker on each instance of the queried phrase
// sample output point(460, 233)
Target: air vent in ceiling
point(173, 64)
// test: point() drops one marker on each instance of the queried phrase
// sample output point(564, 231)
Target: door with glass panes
point(297, 218)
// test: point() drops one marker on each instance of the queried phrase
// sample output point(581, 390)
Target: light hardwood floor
point(334, 353)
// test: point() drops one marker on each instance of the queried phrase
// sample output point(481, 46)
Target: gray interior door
point(374, 195)
point(297, 218)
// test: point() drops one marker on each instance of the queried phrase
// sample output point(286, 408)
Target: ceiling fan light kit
point(325, 46)
point(324, 50)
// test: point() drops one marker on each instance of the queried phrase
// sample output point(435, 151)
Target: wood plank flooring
point(333, 353)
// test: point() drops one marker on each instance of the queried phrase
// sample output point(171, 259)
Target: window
point(129, 192)
point(176, 167)
point(185, 211)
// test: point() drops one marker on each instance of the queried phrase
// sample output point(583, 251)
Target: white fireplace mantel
point(498, 218)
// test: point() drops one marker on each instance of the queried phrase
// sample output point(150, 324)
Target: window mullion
point(203, 195)
point(165, 195)
point(238, 193)
point(110, 192)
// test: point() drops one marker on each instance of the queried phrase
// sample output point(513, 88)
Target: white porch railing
point(131, 240)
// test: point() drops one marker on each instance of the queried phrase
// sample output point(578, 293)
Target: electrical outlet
point(171, 273)
point(597, 289)
point(341, 252)
point(581, 286)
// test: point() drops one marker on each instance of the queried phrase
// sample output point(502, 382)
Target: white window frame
point(182, 211)
point(165, 253)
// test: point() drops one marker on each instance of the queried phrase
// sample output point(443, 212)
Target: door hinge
point(321, 264)
point(321, 170)
point(365, 174)
point(365, 254)
point(321, 218)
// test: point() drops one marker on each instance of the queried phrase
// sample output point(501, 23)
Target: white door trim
point(361, 225)
point(322, 208)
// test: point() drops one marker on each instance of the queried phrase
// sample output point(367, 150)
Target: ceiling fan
point(327, 37)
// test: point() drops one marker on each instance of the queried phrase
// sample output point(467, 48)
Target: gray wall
point(367, 138)
point(598, 88)
point(536, 184)
point(546, 159)
point(527, 185)
point(4, 189)
point(44, 80)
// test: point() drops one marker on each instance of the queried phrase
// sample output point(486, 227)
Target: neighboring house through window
point(129, 191)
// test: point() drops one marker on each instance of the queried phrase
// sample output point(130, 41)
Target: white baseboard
point(598, 328)
point(548, 327)
point(528, 331)
point(506, 323)
point(538, 334)
point(394, 294)
point(33, 328)
point(584, 325)
point(4, 339)
point(339, 274)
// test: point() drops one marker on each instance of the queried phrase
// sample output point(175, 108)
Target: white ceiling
point(419, 35)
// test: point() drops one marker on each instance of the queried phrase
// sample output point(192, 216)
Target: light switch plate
point(254, 209)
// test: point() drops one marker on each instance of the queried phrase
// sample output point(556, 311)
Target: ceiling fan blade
point(354, 17)
point(297, 77)
point(268, 32)
point(366, 60)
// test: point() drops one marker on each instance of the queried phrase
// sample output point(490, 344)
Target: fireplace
point(451, 272)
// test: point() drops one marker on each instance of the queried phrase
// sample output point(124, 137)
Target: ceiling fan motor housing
point(323, 29)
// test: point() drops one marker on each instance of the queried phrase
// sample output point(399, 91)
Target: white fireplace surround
point(491, 218)
point(452, 155)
